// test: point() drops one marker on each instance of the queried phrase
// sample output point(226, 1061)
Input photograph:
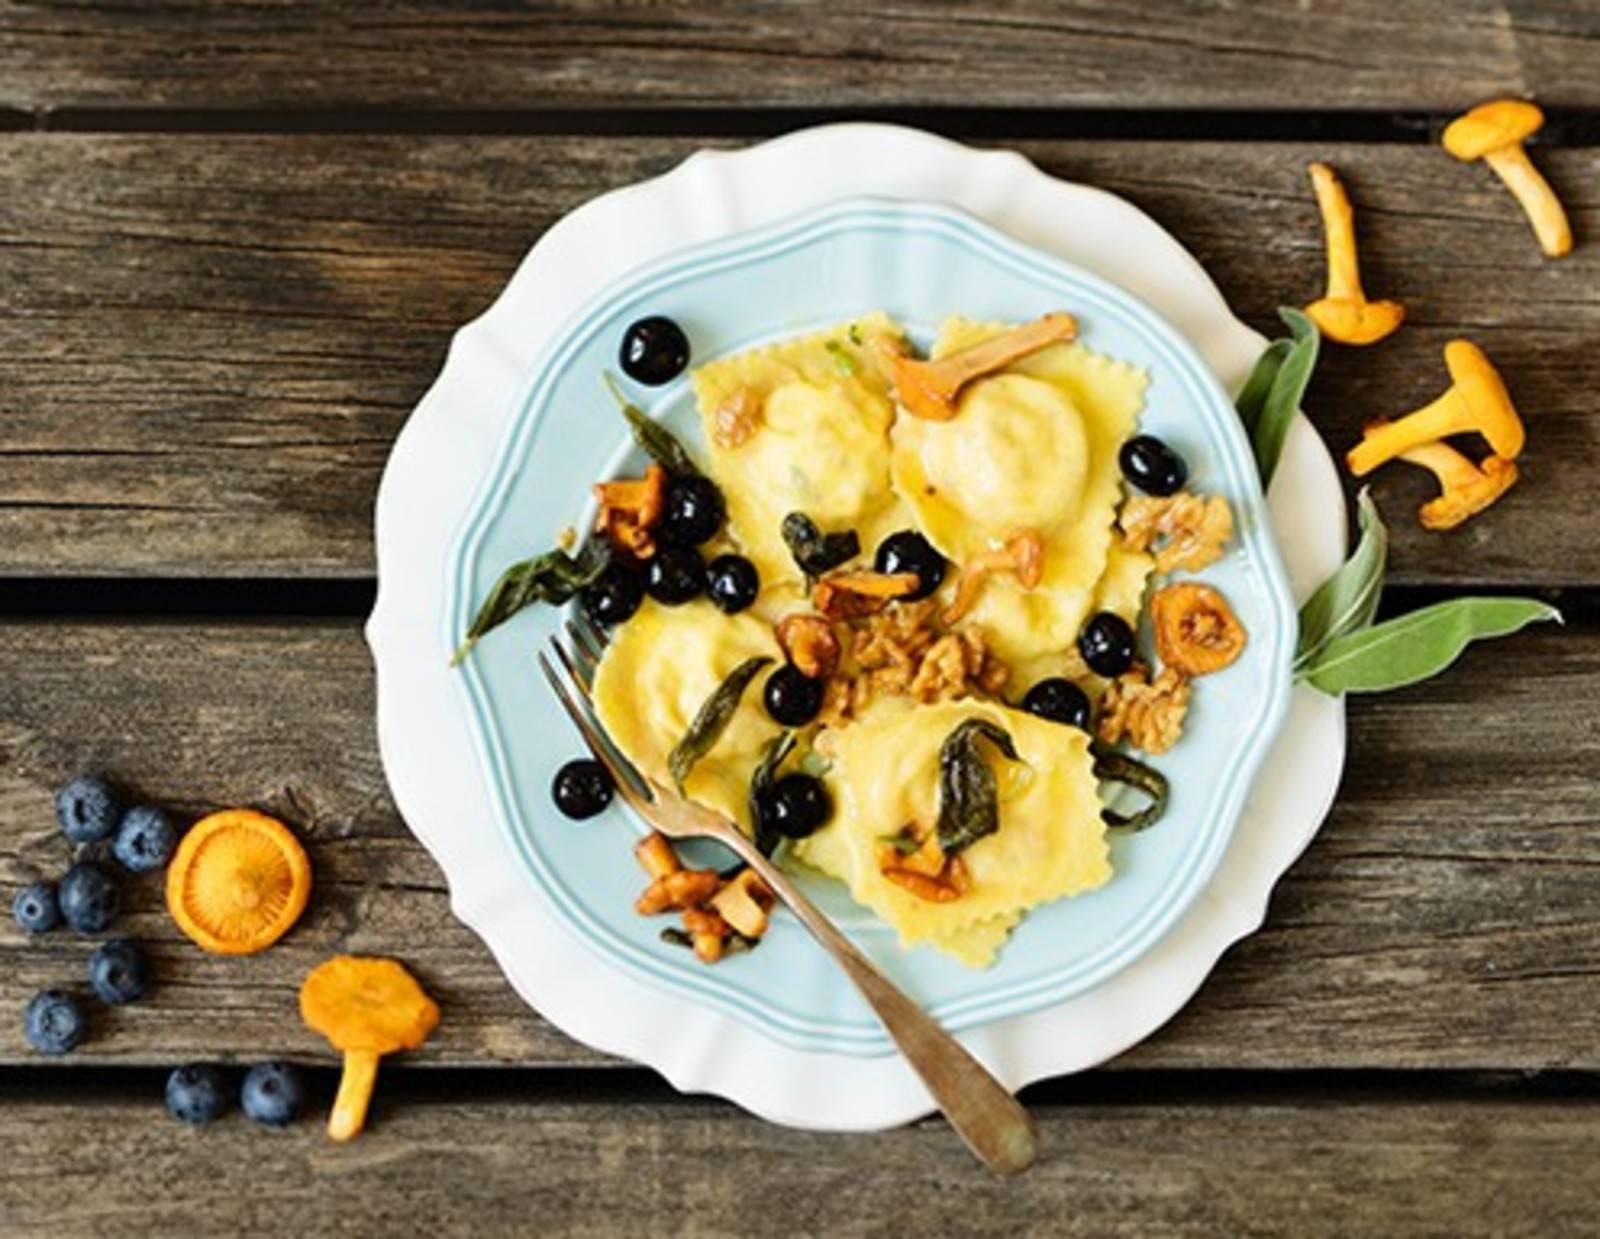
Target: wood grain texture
point(295, 54)
point(1444, 918)
point(207, 344)
point(1258, 1168)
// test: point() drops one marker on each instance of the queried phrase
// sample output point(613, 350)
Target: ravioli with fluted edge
point(1033, 447)
point(803, 426)
point(659, 669)
point(885, 775)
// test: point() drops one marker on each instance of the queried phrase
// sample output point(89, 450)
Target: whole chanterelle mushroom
point(1345, 314)
point(366, 1008)
point(1494, 132)
point(928, 389)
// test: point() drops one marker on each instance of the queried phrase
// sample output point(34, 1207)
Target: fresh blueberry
point(654, 351)
point(89, 898)
point(693, 513)
point(197, 1093)
point(36, 908)
point(792, 697)
point(1152, 466)
point(582, 788)
point(1060, 701)
point(145, 839)
point(1106, 644)
point(54, 1023)
point(733, 583)
point(273, 1093)
point(614, 597)
point(87, 809)
point(909, 551)
point(674, 575)
point(119, 972)
point(794, 807)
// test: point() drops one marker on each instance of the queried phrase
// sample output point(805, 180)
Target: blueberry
point(273, 1093)
point(693, 512)
point(87, 809)
point(614, 597)
point(145, 839)
point(582, 788)
point(1106, 644)
point(54, 1023)
point(119, 972)
point(909, 551)
point(792, 697)
point(654, 351)
point(794, 807)
point(196, 1093)
point(1060, 701)
point(1152, 466)
point(733, 583)
point(36, 908)
point(89, 898)
point(674, 575)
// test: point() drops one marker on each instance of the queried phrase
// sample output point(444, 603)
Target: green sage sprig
point(815, 552)
point(712, 719)
point(659, 443)
point(552, 578)
point(1347, 601)
point(1271, 395)
point(969, 798)
point(1113, 767)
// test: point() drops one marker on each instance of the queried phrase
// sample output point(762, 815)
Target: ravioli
point(1032, 447)
point(821, 408)
point(1051, 841)
point(657, 671)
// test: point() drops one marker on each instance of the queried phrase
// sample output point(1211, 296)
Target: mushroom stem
point(1448, 415)
point(1534, 195)
point(1465, 488)
point(928, 389)
point(1339, 232)
point(355, 1091)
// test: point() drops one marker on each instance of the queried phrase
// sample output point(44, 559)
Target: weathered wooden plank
point(1501, 1168)
point(1444, 918)
point(207, 344)
point(1365, 54)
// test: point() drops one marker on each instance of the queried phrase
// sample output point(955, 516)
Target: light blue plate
point(921, 264)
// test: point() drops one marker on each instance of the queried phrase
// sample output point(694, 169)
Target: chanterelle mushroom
point(1345, 314)
point(928, 389)
point(366, 1008)
point(1476, 402)
point(1466, 488)
point(1494, 132)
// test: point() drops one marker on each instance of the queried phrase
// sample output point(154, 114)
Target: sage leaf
point(659, 443)
point(1113, 767)
point(711, 720)
point(815, 552)
point(969, 800)
point(1268, 417)
point(1414, 647)
point(1347, 601)
point(552, 578)
point(777, 750)
point(843, 362)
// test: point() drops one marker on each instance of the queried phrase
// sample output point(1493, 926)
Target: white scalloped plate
point(450, 443)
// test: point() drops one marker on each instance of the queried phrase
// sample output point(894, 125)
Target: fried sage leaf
point(712, 719)
point(659, 443)
point(1113, 767)
point(1347, 601)
point(552, 578)
point(776, 754)
point(815, 552)
point(1418, 645)
point(969, 799)
point(1271, 395)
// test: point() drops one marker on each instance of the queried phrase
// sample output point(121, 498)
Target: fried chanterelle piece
point(1149, 715)
point(1191, 529)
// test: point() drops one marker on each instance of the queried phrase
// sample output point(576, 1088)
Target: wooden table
point(234, 242)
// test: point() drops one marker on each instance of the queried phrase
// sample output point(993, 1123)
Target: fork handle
point(987, 1117)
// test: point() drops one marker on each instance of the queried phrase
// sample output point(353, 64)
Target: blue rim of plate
point(1077, 287)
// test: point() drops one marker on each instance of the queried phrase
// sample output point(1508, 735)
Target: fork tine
point(574, 664)
point(633, 787)
point(595, 635)
point(588, 657)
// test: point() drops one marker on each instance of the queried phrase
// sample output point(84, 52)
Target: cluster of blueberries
point(87, 900)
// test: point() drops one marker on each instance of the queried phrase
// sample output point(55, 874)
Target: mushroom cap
point(1480, 385)
point(1466, 489)
point(1355, 322)
point(1490, 126)
point(238, 882)
point(361, 1003)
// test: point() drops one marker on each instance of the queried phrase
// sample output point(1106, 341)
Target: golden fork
point(988, 1118)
